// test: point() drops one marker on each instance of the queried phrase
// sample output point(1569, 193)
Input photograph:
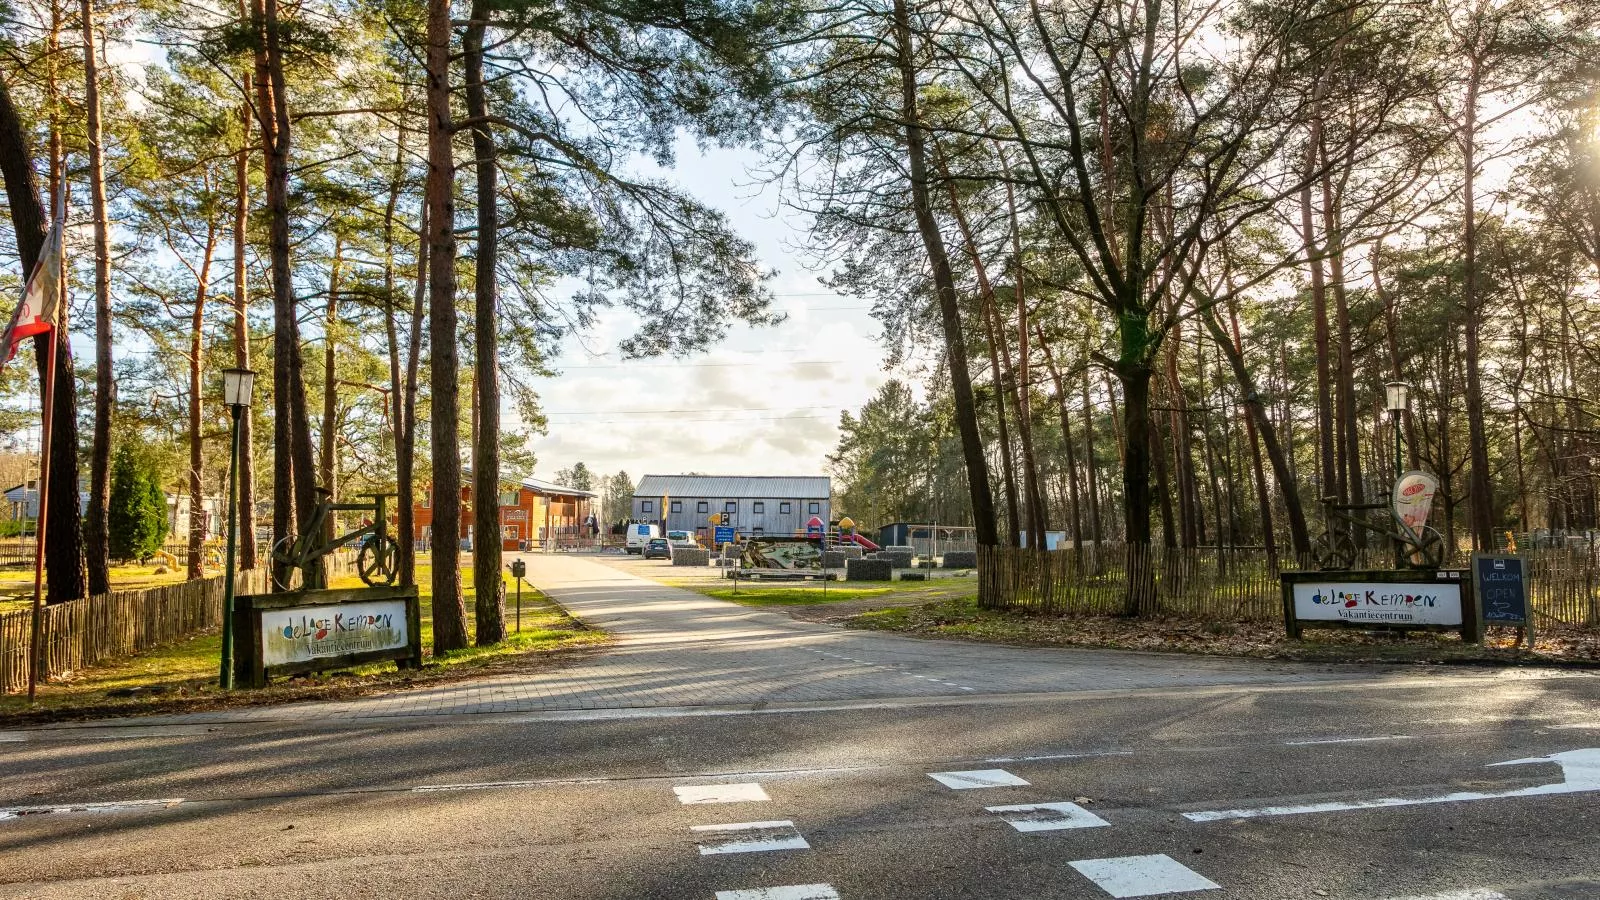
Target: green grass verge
point(183, 676)
point(789, 595)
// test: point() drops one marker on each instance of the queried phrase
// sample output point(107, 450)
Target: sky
point(766, 401)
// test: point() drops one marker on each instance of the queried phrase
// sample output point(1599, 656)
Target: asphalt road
point(1366, 784)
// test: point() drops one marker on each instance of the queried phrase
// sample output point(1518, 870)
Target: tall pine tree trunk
point(944, 284)
point(197, 459)
point(241, 341)
point(63, 552)
point(96, 546)
point(1480, 499)
point(488, 586)
point(449, 614)
point(327, 461)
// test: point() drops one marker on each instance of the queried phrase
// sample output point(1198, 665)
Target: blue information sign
point(724, 535)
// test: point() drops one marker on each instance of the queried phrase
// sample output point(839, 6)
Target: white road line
point(977, 778)
point(16, 812)
point(12, 738)
point(720, 793)
point(1047, 816)
point(752, 837)
point(1351, 740)
point(1143, 876)
point(1087, 754)
point(787, 892)
point(1469, 894)
point(1580, 768)
point(1582, 725)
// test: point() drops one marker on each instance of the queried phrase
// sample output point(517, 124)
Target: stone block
point(689, 556)
point(961, 559)
point(868, 570)
point(913, 576)
point(900, 559)
point(833, 559)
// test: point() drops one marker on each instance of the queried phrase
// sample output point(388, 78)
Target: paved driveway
point(679, 648)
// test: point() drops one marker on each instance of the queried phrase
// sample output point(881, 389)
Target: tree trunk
point(488, 585)
point(449, 614)
point(294, 469)
point(399, 408)
point(1319, 313)
point(1038, 521)
point(241, 343)
point(1135, 380)
point(64, 575)
point(1299, 538)
point(1345, 405)
point(96, 536)
point(1480, 499)
point(197, 459)
point(1073, 500)
point(944, 284)
point(1090, 466)
point(405, 449)
point(327, 463)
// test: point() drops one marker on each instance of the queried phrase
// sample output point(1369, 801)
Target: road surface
point(723, 752)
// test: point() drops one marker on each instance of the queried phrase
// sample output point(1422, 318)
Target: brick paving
point(679, 648)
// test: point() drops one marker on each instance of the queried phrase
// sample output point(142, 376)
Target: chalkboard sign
point(1498, 580)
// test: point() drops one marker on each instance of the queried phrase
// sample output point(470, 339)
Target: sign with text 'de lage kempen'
point(1357, 602)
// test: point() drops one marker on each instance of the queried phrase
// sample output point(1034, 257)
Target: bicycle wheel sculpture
point(378, 563)
point(1331, 551)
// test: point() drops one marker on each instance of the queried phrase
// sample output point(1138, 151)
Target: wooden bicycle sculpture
point(1335, 548)
point(377, 561)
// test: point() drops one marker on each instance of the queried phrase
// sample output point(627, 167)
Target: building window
point(647, 506)
point(785, 508)
point(760, 530)
point(731, 506)
point(814, 508)
point(677, 506)
point(758, 507)
point(509, 498)
point(510, 532)
point(702, 507)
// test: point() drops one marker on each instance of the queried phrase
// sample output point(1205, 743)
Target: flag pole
point(36, 652)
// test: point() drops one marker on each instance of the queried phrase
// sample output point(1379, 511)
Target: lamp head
point(1397, 396)
point(237, 386)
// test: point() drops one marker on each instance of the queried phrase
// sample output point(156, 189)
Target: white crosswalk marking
point(787, 892)
point(978, 778)
point(1048, 816)
point(1469, 894)
point(720, 793)
point(750, 837)
point(1143, 876)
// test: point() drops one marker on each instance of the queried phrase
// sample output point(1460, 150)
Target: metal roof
point(775, 487)
point(550, 487)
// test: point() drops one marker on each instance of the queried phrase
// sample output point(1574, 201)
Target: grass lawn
point(16, 582)
point(182, 677)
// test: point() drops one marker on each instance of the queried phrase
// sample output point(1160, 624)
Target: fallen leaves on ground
point(962, 619)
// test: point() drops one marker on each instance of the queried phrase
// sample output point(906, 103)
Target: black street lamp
point(237, 386)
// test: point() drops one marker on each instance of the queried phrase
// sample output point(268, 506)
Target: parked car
point(658, 548)
point(680, 538)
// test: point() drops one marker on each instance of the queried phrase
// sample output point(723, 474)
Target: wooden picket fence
point(1227, 584)
point(83, 632)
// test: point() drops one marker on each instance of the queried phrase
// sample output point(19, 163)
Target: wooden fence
point(1228, 584)
point(106, 626)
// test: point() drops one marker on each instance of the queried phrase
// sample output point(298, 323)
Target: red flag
point(41, 300)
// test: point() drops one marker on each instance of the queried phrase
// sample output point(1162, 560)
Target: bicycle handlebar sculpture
point(377, 562)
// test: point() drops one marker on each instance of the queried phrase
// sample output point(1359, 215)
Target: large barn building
point(751, 504)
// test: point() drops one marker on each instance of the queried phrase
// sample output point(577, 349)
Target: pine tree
point(137, 511)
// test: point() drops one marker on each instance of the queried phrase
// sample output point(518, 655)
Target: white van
point(640, 534)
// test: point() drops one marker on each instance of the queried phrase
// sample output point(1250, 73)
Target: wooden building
point(534, 514)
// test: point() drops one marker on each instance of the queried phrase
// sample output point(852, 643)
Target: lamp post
point(237, 385)
point(1397, 399)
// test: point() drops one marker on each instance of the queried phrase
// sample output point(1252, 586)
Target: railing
point(1227, 584)
point(83, 632)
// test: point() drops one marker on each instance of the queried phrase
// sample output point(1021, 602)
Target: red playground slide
point(859, 541)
